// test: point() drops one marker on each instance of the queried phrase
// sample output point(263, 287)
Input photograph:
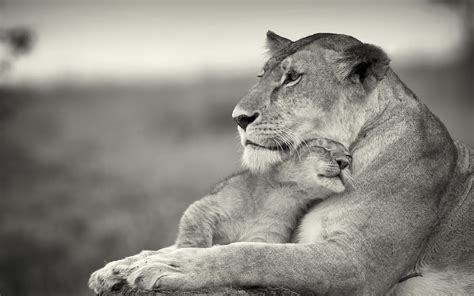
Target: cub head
point(321, 86)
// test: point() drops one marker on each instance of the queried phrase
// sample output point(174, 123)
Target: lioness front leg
point(303, 268)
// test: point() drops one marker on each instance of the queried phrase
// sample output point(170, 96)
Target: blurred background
point(115, 115)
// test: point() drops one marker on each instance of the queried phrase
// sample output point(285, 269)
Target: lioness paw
point(181, 269)
point(148, 276)
point(110, 277)
point(113, 276)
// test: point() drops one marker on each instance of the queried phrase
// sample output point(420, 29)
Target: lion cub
point(266, 207)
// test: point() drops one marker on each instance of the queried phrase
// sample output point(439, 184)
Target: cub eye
point(260, 75)
point(291, 78)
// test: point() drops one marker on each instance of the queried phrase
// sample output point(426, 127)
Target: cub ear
point(276, 42)
point(363, 63)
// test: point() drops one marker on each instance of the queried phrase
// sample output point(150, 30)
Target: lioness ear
point(276, 42)
point(363, 63)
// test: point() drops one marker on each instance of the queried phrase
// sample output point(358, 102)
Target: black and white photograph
point(225, 147)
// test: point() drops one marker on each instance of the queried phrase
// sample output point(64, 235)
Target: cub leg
point(196, 228)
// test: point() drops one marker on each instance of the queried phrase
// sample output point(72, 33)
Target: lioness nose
point(243, 120)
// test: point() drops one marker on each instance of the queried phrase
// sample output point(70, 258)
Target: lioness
point(411, 214)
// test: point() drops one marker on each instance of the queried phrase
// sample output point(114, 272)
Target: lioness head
point(323, 85)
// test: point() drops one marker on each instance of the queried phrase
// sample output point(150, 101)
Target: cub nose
point(243, 120)
point(342, 163)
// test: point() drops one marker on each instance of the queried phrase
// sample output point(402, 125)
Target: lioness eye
point(291, 78)
point(294, 76)
point(260, 75)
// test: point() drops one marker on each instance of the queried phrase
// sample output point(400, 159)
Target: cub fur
point(266, 207)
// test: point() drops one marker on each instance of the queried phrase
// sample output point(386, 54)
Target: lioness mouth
point(281, 147)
